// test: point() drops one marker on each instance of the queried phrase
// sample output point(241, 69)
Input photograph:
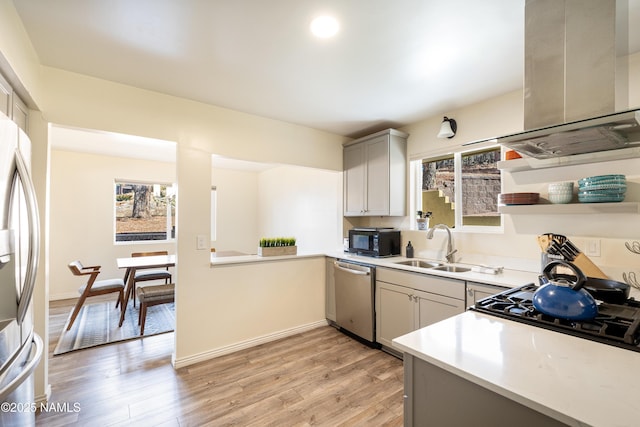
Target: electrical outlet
point(592, 247)
point(201, 242)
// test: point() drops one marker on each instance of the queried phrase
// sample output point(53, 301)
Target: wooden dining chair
point(93, 287)
point(148, 274)
point(153, 295)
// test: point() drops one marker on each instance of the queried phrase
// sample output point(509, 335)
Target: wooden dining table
point(131, 264)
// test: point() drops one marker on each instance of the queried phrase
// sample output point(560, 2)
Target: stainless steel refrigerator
point(20, 347)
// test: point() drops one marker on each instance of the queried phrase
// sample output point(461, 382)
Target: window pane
point(144, 212)
point(438, 190)
point(480, 188)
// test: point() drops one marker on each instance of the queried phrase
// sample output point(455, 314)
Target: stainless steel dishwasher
point(355, 308)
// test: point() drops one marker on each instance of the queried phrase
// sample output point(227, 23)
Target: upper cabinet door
point(19, 112)
point(12, 106)
point(377, 182)
point(375, 175)
point(5, 97)
point(354, 165)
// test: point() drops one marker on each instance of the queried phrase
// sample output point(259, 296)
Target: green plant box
point(277, 250)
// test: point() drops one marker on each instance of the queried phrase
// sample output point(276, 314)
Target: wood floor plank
point(320, 377)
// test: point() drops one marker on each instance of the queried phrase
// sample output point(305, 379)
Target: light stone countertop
point(507, 278)
point(217, 261)
point(575, 380)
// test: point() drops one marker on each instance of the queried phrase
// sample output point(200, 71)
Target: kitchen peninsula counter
point(245, 300)
point(573, 380)
point(507, 278)
point(217, 260)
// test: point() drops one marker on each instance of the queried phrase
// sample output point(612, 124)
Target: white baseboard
point(212, 354)
point(66, 295)
point(43, 398)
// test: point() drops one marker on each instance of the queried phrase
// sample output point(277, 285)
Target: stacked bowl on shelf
point(602, 189)
point(561, 192)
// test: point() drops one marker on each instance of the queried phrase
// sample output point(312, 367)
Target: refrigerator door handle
point(26, 371)
point(34, 237)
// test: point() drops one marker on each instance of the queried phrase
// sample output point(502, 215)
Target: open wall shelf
point(572, 208)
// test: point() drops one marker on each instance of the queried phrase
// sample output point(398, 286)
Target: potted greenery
point(274, 246)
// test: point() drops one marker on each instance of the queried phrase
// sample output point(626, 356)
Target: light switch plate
point(201, 242)
point(592, 247)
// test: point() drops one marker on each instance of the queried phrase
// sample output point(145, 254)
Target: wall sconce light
point(448, 128)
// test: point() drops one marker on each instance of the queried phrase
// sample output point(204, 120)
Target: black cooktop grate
point(615, 324)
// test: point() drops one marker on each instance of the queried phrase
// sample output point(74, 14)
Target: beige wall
point(85, 102)
point(238, 211)
point(239, 305)
point(303, 203)
point(497, 116)
point(281, 201)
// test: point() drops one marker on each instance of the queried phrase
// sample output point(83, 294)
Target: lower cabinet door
point(432, 308)
point(394, 312)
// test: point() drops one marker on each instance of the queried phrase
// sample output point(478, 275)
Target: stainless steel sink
point(452, 268)
point(420, 263)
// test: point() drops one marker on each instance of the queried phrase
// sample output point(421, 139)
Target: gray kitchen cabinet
point(5, 97)
point(19, 112)
point(477, 291)
point(375, 169)
point(408, 301)
point(432, 308)
point(435, 397)
point(330, 292)
point(395, 312)
point(12, 106)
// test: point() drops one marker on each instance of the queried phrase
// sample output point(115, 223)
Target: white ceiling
point(392, 63)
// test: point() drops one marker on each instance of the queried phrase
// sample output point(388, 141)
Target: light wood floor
point(320, 377)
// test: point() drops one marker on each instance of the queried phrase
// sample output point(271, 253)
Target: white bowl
point(561, 187)
point(560, 198)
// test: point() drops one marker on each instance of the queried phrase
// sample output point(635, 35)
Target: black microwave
point(376, 242)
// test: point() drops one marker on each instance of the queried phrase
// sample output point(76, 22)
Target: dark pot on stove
point(562, 298)
point(603, 289)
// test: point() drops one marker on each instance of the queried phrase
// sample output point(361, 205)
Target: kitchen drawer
point(423, 282)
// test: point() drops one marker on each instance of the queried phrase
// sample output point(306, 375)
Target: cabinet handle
point(410, 297)
point(415, 298)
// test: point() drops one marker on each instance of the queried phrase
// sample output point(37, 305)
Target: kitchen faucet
point(450, 251)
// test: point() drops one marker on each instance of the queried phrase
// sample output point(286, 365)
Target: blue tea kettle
point(564, 299)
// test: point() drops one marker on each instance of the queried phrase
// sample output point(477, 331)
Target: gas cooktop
point(615, 324)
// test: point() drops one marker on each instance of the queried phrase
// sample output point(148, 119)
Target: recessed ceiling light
point(324, 27)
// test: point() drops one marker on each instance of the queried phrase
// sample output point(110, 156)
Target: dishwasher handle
point(365, 271)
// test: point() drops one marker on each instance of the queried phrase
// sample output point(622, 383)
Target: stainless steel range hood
point(609, 132)
point(570, 68)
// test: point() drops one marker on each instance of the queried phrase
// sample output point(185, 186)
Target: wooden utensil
point(544, 241)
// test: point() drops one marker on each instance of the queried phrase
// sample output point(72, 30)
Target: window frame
point(415, 172)
point(172, 193)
